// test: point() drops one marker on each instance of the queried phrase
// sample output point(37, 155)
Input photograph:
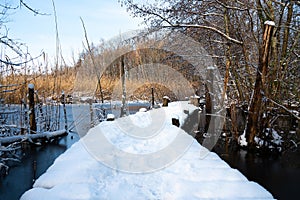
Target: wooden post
point(202, 122)
point(152, 94)
point(110, 117)
point(91, 112)
point(255, 104)
point(175, 121)
point(63, 99)
point(166, 101)
point(32, 121)
point(195, 100)
point(123, 79)
point(23, 124)
point(34, 170)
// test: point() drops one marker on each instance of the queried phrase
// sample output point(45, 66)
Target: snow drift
point(78, 173)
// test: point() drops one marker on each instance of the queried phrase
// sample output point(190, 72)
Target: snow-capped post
point(166, 101)
point(32, 122)
point(195, 100)
point(63, 100)
point(110, 117)
point(255, 112)
point(202, 120)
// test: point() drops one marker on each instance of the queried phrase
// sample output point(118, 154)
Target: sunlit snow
point(78, 174)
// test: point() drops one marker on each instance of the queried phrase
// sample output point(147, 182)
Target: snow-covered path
point(79, 173)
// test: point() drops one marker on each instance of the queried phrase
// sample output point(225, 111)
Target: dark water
point(280, 175)
point(22, 175)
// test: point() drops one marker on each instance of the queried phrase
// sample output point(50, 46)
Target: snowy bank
point(81, 173)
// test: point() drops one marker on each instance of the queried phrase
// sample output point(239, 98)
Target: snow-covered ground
point(122, 160)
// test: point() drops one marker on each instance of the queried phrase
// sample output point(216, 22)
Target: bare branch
point(8, 7)
point(280, 3)
point(151, 13)
point(12, 45)
point(206, 27)
point(93, 59)
point(284, 108)
point(212, 14)
point(36, 12)
point(20, 63)
point(170, 24)
point(231, 7)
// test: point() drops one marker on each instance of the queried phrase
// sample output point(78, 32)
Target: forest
point(255, 45)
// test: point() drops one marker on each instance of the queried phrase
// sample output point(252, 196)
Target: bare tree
point(18, 51)
point(232, 32)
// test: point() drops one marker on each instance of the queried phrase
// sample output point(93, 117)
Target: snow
point(242, 139)
point(30, 137)
point(211, 67)
point(195, 173)
point(143, 110)
point(110, 116)
point(295, 112)
point(274, 140)
point(31, 86)
point(276, 137)
point(195, 96)
point(271, 23)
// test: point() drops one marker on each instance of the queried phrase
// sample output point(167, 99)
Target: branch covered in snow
point(30, 137)
point(208, 28)
point(163, 15)
point(284, 108)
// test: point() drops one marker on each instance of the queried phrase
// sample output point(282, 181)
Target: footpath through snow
point(132, 164)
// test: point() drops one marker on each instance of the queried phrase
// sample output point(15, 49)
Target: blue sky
point(103, 19)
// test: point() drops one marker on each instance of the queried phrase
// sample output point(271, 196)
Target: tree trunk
point(256, 100)
point(285, 41)
point(228, 57)
point(233, 117)
point(209, 103)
